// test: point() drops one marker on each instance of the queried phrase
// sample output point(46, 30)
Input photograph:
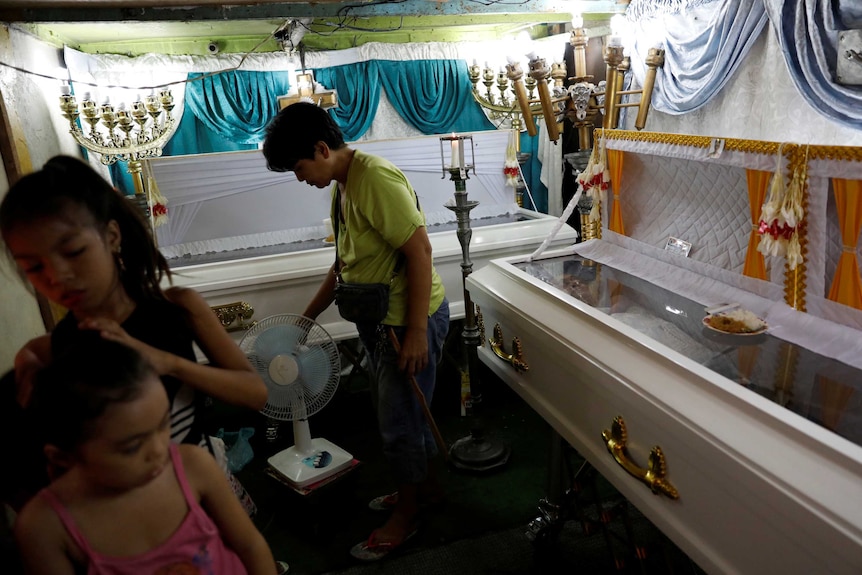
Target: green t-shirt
point(380, 215)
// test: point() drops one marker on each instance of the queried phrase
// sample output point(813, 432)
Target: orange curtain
point(846, 285)
point(834, 397)
point(747, 356)
point(758, 182)
point(615, 167)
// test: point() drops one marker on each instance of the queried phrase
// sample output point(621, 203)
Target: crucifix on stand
point(477, 451)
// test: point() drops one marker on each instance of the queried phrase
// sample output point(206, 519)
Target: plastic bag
point(239, 451)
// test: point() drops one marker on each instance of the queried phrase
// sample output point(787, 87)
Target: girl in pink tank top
point(128, 501)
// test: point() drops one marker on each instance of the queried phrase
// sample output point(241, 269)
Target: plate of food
point(735, 322)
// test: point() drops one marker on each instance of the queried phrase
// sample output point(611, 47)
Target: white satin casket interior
point(761, 435)
point(237, 232)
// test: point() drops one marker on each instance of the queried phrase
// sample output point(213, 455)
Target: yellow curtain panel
point(834, 398)
point(758, 182)
point(846, 285)
point(615, 167)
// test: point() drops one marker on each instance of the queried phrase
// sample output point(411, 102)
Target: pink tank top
point(195, 547)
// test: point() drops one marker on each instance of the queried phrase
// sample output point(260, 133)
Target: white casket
point(760, 436)
point(239, 233)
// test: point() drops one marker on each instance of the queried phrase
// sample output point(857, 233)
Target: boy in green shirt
point(379, 224)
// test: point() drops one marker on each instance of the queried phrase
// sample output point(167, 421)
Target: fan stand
point(309, 460)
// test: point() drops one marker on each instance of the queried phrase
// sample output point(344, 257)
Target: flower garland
point(511, 168)
point(595, 178)
point(158, 204)
point(782, 215)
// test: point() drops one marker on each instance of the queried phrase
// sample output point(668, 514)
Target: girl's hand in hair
point(111, 330)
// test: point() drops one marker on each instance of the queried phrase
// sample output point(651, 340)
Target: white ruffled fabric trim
point(310, 233)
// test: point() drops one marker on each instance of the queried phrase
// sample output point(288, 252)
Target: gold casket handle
point(235, 316)
point(515, 359)
point(653, 475)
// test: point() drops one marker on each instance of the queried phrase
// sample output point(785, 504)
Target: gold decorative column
point(613, 58)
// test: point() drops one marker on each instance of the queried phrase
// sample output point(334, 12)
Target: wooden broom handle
point(441, 443)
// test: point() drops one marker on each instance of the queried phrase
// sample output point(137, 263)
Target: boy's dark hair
point(293, 133)
point(77, 387)
point(65, 181)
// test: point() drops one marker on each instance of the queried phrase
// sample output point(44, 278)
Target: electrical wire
point(154, 87)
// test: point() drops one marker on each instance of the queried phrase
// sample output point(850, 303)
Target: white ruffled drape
point(190, 181)
point(551, 156)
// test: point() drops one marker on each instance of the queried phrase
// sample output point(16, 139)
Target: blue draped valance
point(705, 41)
point(807, 31)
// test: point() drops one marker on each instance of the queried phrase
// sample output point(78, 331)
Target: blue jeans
point(408, 442)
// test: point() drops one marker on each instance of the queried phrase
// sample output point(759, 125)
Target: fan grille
point(298, 361)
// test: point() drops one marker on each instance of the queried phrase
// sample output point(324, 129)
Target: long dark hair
point(65, 181)
point(80, 384)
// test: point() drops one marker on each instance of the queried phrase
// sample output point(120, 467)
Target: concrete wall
point(31, 105)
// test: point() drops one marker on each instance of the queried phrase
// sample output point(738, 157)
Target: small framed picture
point(678, 246)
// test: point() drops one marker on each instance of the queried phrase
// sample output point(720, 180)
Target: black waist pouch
point(362, 303)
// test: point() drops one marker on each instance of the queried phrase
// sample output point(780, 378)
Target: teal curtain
point(532, 172)
point(236, 105)
point(358, 95)
point(194, 137)
point(434, 96)
point(223, 113)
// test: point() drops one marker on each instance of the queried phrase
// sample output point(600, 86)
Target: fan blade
point(315, 369)
point(276, 340)
point(284, 402)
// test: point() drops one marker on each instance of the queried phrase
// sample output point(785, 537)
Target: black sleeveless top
point(163, 325)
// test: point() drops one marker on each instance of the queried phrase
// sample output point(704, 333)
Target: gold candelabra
point(514, 100)
point(122, 134)
point(510, 95)
point(617, 65)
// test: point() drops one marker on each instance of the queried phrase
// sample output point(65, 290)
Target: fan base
point(298, 467)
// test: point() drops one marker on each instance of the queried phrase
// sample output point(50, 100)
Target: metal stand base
point(478, 453)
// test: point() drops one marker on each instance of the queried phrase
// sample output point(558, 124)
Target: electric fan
point(299, 363)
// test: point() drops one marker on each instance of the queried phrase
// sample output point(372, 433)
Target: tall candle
point(577, 21)
point(456, 152)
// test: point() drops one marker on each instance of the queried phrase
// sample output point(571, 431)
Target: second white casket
point(239, 233)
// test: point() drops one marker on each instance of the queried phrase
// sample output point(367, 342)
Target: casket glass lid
point(821, 389)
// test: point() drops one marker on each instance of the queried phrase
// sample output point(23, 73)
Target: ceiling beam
point(196, 10)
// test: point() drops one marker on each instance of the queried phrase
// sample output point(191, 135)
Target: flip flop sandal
point(388, 502)
point(384, 502)
point(373, 550)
